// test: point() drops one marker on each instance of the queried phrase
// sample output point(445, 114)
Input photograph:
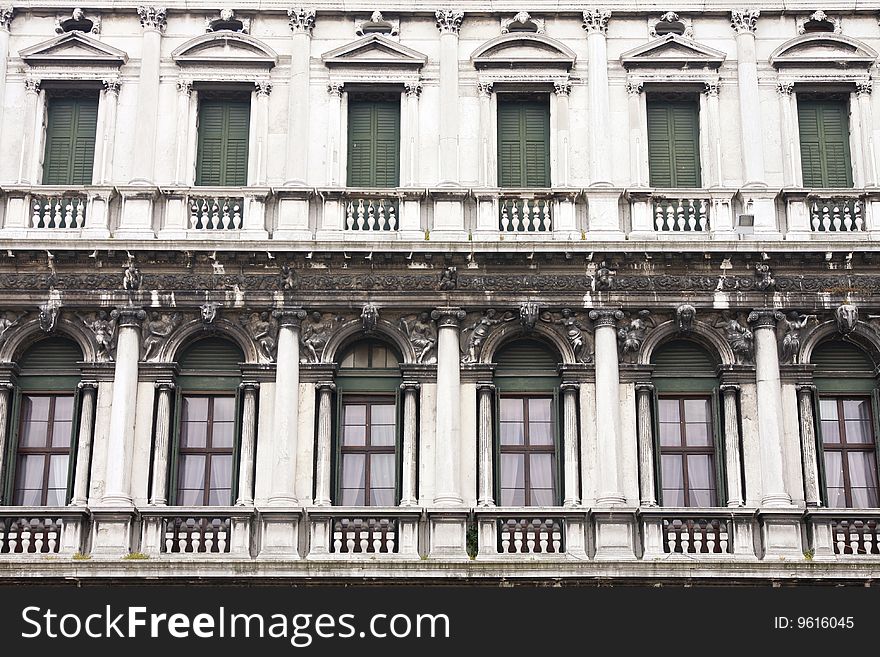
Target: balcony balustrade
point(839, 533)
point(198, 531)
point(353, 533)
point(531, 532)
point(39, 530)
point(700, 533)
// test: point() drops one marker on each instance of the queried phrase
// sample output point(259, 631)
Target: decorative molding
point(185, 86)
point(412, 89)
point(6, 14)
point(152, 18)
point(819, 16)
point(672, 52)
point(785, 88)
point(372, 52)
point(111, 85)
point(228, 55)
point(449, 21)
point(73, 49)
point(484, 89)
point(670, 17)
point(634, 87)
point(301, 20)
point(823, 54)
point(605, 317)
point(128, 316)
point(744, 21)
point(522, 22)
point(377, 24)
point(712, 88)
point(77, 21)
point(227, 20)
point(562, 88)
point(762, 318)
point(335, 89)
point(596, 20)
point(263, 87)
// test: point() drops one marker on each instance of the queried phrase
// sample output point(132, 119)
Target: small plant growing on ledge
point(79, 556)
point(472, 540)
point(808, 554)
point(427, 235)
point(136, 556)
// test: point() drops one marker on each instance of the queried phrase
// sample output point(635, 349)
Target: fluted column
point(5, 391)
point(408, 493)
point(486, 483)
point(732, 457)
point(250, 390)
point(607, 405)
point(571, 463)
point(182, 174)
point(302, 22)
point(713, 124)
point(644, 403)
point(636, 127)
point(863, 94)
point(334, 126)
point(449, 24)
point(744, 22)
point(6, 14)
point(110, 104)
point(261, 127)
point(447, 484)
point(324, 442)
point(769, 393)
point(120, 435)
point(791, 167)
point(410, 135)
point(284, 436)
point(487, 170)
point(84, 442)
point(33, 122)
point(147, 108)
point(812, 495)
point(161, 442)
point(596, 25)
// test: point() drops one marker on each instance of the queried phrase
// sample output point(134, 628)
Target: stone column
point(449, 24)
point(408, 493)
point(447, 487)
point(302, 22)
point(5, 391)
point(487, 172)
point(713, 123)
point(791, 166)
point(769, 393)
point(732, 461)
point(147, 108)
point(261, 127)
point(596, 25)
point(334, 124)
point(744, 21)
point(110, 103)
point(812, 495)
point(182, 173)
point(410, 173)
point(284, 436)
point(636, 128)
point(84, 442)
point(324, 442)
point(571, 463)
point(161, 443)
point(6, 14)
point(33, 123)
point(863, 94)
point(250, 390)
point(644, 403)
point(560, 172)
point(122, 410)
point(486, 483)
point(607, 405)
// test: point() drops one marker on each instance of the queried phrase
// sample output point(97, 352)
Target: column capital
point(644, 387)
point(729, 388)
point(152, 18)
point(185, 87)
point(712, 88)
point(335, 89)
point(864, 88)
point(805, 388)
point(87, 385)
point(449, 21)
point(410, 386)
point(249, 386)
point(412, 89)
point(263, 87)
point(485, 386)
point(289, 317)
point(128, 316)
point(448, 317)
point(634, 87)
point(301, 20)
point(744, 21)
point(325, 386)
point(569, 387)
point(562, 88)
point(32, 84)
point(785, 88)
point(165, 385)
point(111, 85)
point(596, 20)
point(484, 89)
point(605, 316)
point(765, 317)
point(6, 14)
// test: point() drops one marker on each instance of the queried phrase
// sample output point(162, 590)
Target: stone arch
point(193, 329)
point(225, 47)
point(701, 333)
point(862, 336)
point(510, 331)
point(824, 49)
point(353, 330)
point(524, 48)
point(28, 333)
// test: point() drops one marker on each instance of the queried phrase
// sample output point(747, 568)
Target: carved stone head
point(847, 316)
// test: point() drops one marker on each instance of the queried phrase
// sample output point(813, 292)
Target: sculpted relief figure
point(8, 319)
point(575, 332)
point(158, 327)
point(791, 342)
point(422, 334)
point(103, 328)
point(131, 279)
point(633, 334)
point(262, 328)
point(476, 333)
point(315, 333)
point(738, 337)
point(685, 315)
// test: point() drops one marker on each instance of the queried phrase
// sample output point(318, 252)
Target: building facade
point(427, 292)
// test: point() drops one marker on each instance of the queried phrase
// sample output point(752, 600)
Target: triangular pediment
point(373, 50)
point(672, 50)
point(823, 50)
point(73, 49)
point(523, 48)
point(224, 48)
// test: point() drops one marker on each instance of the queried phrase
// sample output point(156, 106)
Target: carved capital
point(805, 388)
point(605, 317)
point(410, 386)
point(32, 85)
point(644, 388)
point(596, 20)
point(634, 87)
point(765, 318)
point(744, 21)
point(448, 317)
point(249, 386)
point(290, 318)
point(486, 387)
point(484, 89)
point(729, 388)
point(111, 85)
point(449, 20)
point(864, 88)
point(165, 385)
point(90, 386)
point(6, 14)
point(335, 89)
point(185, 87)
point(128, 316)
point(562, 88)
point(712, 88)
point(152, 18)
point(413, 89)
point(301, 20)
point(325, 387)
point(569, 387)
point(785, 88)
point(264, 87)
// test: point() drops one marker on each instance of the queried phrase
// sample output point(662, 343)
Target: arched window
point(527, 435)
point(44, 427)
point(207, 424)
point(368, 440)
point(847, 415)
point(688, 429)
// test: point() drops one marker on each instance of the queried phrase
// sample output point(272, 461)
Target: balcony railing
point(348, 532)
point(215, 213)
point(59, 212)
point(364, 535)
point(703, 533)
point(837, 215)
point(543, 533)
point(844, 533)
point(29, 535)
point(197, 530)
point(681, 215)
point(196, 534)
point(373, 214)
point(519, 214)
point(696, 536)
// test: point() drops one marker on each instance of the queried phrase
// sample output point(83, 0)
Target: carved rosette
point(449, 21)
point(290, 318)
point(448, 317)
point(6, 14)
point(301, 20)
point(152, 18)
point(128, 316)
point(762, 318)
point(596, 20)
point(744, 21)
point(605, 317)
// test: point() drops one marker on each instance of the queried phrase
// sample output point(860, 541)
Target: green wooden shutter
point(223, 142)
point(673, 143)
point(523, 142)
point(824, 133)
point(71, 124)
point(373, 143)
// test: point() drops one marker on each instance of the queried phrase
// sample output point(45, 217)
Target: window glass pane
point(58, 471)
point(352, 497)
point(382, 436)
point(61, 433)
point(541, 470)
point(56, 497)
point(34, 414)
point(382, 470)
point(190, 497)
point(354, 414)
point(542, 497)
point(513, 496)
point(382, 414)
point(828, 408)
point(220, 497)
point(700, 473)
point(195, 409)
point(221, 471)
point(673, 497)
point(353, 471)
point(513, 471)
point(701, 497)
point(193, 434)
point(539, 410)
point(30, 471)
point(833, 470)
point(223, 435)
point(192, 471)
point(224, 409)
point(863, 498)
point(696, 410)
point(354, 435)
point(671, 472)
point(698, 434)
point(382, 497)
point(512, 433)
point(830, 432)
point(36, 408)
point(670, 434)
point(64, 408)
point(862, 470)
point(668, 409)
point(511, 409)
point(540, 433)
point(858, 432)
point(857, 409)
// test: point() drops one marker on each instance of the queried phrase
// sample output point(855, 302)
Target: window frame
point(503, 97)
point(54, 94)
point(234, 94)
point(815, 96)
point(681, 98)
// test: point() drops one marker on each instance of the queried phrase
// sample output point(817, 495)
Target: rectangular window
point(673, 140)
point(368, 452)
point(823, 123)
point(849, 452)
point(71, 123)
point(373, 142)
point(523, 140)
point(224, 124)
point(43, 455)
point(687, 451)
point(205, 451)
point(527, 449)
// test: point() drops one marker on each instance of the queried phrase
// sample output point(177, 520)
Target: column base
point(279, 533)
point(615, 534)
point(781, 534)
point(447, 534)
point(113, 534)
